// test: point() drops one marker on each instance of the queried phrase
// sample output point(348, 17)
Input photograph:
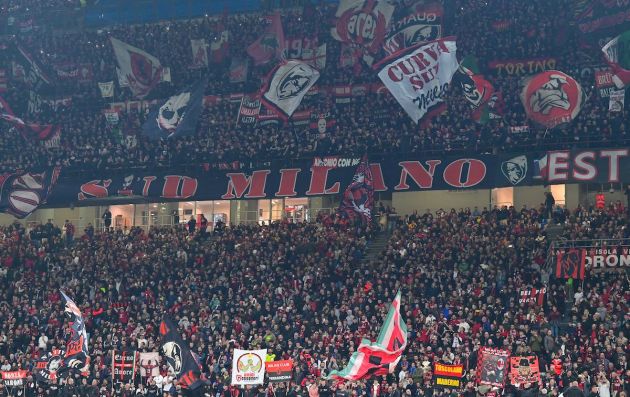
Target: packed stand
point(306, 292)
point(365, 124)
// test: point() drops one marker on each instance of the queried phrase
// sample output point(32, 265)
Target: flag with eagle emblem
point(382, 356)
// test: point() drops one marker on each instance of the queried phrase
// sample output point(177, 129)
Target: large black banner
point(329, 175)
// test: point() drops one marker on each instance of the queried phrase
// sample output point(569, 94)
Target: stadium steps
point(375, 247)
point(554, 231)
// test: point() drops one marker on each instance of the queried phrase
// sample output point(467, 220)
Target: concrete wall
point(531, 196)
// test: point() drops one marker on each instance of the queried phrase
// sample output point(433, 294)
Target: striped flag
point(382, 356)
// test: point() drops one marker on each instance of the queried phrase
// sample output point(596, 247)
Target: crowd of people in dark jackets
point(308, 292)
point(490, 31)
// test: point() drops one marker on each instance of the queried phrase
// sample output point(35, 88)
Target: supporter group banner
point(575, 261)
point(600, 16)
point(329, 175)
point(123, 366)
point(532, 295)
point(447, 376)
point(279, 371)
point(524, 369)
point(13, 378)
point(248, 367)
point(419, 77)
point(492, 366)
point(522, 67)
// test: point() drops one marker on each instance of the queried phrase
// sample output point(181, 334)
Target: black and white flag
point(287, 85)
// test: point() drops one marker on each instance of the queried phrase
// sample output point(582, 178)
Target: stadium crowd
point(306, 291)
point(489, 30)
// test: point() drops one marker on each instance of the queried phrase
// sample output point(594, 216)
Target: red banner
point(279, 371)
point(524, 370)
point(447, 376)
point(570, 264)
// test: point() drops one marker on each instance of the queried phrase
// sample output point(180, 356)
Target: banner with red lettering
point(604, 82)
point(419, 77)
point(362, 23)
point(329, 175)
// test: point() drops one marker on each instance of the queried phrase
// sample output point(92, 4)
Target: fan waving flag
point(287, 85)
point(358, 198)
point(362, 23)
point(271, 44)
point(139, 69)
point(617, 54)
point(178, 356)
point(382, 356)
point(419, 77)
point(178, 115)
point(552, 98)
point(76, 355)
point(477, 90)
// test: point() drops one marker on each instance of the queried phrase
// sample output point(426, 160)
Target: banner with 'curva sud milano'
point(329, 175)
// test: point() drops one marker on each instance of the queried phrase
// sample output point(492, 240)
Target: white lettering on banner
point(558, 166)
point(607, 260)
point(420, 79)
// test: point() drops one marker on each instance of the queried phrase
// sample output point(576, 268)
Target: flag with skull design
point(178, 356)
point(552, 98)
point(178, 115)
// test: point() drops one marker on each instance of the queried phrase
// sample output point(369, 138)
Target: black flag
point(178, 356)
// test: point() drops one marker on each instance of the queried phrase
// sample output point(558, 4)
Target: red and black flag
point(76, 355)
point(532, 295)
point(570, 264)
point(358, 198)
point(23, 192)
point(179, 357)
point(492, 366)
point(48, 134)
point(123, 366)
point(524, 370)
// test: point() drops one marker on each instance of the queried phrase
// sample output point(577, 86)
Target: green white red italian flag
point(382, 356)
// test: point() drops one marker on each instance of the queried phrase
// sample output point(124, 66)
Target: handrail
point(374, 156)
point(594, 243)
